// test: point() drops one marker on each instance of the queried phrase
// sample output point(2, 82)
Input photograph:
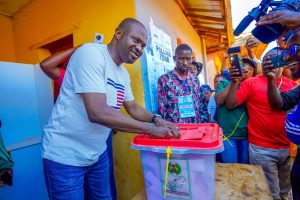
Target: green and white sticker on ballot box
point(176, 183)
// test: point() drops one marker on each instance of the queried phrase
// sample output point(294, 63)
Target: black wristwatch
point(154, 117)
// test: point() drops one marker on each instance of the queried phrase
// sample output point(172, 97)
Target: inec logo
point(174, 168)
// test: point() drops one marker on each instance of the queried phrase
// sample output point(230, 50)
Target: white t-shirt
point(70, 138)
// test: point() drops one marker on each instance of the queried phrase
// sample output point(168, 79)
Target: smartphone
point(278, 61)
point(233, 50)
point(237, 63)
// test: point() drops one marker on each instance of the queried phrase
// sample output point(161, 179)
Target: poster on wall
point(157, 60)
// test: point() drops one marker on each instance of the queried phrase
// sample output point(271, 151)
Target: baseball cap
point(207, 87)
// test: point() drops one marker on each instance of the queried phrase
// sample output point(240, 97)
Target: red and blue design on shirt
point(118, 93)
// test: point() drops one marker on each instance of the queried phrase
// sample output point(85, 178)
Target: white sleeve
point(210, 104)
point(87, 67)
point(128, 92)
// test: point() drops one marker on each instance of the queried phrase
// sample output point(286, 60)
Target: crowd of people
point(258, 112)
point(254, 109)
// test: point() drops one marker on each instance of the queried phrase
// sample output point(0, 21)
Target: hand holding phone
point(268, 68)
point(236, 63)
point(278, 61)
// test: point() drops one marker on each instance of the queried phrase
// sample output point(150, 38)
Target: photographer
point(268, 144)
point(288, 100)
point(234, 122)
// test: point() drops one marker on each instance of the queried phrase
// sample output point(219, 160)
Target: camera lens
point(268, 33)
point(98, 37)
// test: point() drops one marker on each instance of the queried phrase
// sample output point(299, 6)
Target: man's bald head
point(129, 40)
point(127, 24)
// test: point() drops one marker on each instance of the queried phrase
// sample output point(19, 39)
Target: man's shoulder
point(259, 77)
point(222, 85)
point(88, 46)
point(124, 71)
point(255, 80)
point(165, 75)
point(89, 52)
point(290, 82)
point(94, 45)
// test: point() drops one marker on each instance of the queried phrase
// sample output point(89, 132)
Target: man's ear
point(174, 58)
point(118, 33)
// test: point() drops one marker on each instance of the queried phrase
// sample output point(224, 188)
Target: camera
point(98, 38)
point(265, 33)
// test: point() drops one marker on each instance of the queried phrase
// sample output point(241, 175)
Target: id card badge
point(186, 106)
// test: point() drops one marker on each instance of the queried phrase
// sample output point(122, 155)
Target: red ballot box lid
point(205, 136)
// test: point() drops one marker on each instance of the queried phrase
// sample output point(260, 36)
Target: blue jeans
point(111, 166)
point(235, 152)
point(66, 182)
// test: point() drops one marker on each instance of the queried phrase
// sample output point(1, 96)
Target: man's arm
point(221, 96)
point(224, 67)
point(224, 62)
point(99, 112)
point(237, 97)
point(231, 99)
point(137, 112)
point(274, 98)
point(250, 44)
point(50, 64)
point(290, 98)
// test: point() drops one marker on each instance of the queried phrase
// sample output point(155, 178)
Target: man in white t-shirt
point(95, 87)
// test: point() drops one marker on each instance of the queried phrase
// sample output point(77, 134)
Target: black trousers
point(295, 177)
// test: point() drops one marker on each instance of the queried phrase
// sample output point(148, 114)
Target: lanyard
point(236, 126)
point(279, 86)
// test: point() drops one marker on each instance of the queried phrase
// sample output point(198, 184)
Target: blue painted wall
point(25, 105)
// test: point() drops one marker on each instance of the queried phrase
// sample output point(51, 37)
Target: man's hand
point(251, 43)
point(235, 75)
point(288, 18)
point(159, 122)
point(162, 132)
point(268, 68)
point(225, 55)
